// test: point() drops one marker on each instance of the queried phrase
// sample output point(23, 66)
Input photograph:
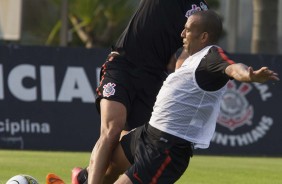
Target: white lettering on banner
point(24, 126)
point(75, 84)
point(15, 82)
point(98, 71)
point(247, 138)
point(48, 83)
point(263, 90)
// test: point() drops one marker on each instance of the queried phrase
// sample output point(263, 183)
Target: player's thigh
point(113, 114)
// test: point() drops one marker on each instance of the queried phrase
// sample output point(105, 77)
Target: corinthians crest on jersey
point(109, 89)
point(239, 122)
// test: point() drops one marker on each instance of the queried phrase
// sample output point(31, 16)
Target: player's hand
point(262, 75)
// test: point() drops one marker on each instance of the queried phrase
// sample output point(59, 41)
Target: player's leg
point(122, 157)
point(115, 94)
point(113, 117)
point(80, 175)
point(118, 165)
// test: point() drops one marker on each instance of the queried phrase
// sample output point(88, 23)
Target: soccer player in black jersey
point(132, 76)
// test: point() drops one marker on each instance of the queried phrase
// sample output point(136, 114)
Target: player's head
point(211, 23)
point(201, 29)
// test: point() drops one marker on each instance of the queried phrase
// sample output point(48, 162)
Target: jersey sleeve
point(217, 61)
point(210, 74)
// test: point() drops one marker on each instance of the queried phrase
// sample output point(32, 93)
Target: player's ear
point(204, 37)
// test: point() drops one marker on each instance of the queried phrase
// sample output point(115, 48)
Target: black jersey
point(210, 74)
point(153, 34)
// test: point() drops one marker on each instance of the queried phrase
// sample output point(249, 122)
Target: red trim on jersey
point(109, 59)
point(224, 56)
point(135, 175)
point(102, 78)
point(161, 169)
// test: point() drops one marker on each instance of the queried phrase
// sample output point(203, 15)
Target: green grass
point(202, 169)
point(38, 164)
point(233, 170)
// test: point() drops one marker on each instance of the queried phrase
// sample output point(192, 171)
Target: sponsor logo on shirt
point(196, 8)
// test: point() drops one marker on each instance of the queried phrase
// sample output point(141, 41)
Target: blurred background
point(251, 26)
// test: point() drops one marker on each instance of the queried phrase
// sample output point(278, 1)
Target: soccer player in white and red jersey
point(187, 106)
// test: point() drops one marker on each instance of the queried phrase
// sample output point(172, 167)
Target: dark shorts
point(135, 88)
point(156, 157)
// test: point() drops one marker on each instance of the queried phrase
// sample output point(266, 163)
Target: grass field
point(202, 169)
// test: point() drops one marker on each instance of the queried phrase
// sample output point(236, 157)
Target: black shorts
point(156, 157)
point(135, 88)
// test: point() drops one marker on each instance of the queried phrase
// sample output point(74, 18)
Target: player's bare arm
point(171, 64)
point(244, 73)
point(176, 62)
point(184, 55)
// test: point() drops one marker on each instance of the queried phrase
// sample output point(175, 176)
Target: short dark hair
point(211, 23)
